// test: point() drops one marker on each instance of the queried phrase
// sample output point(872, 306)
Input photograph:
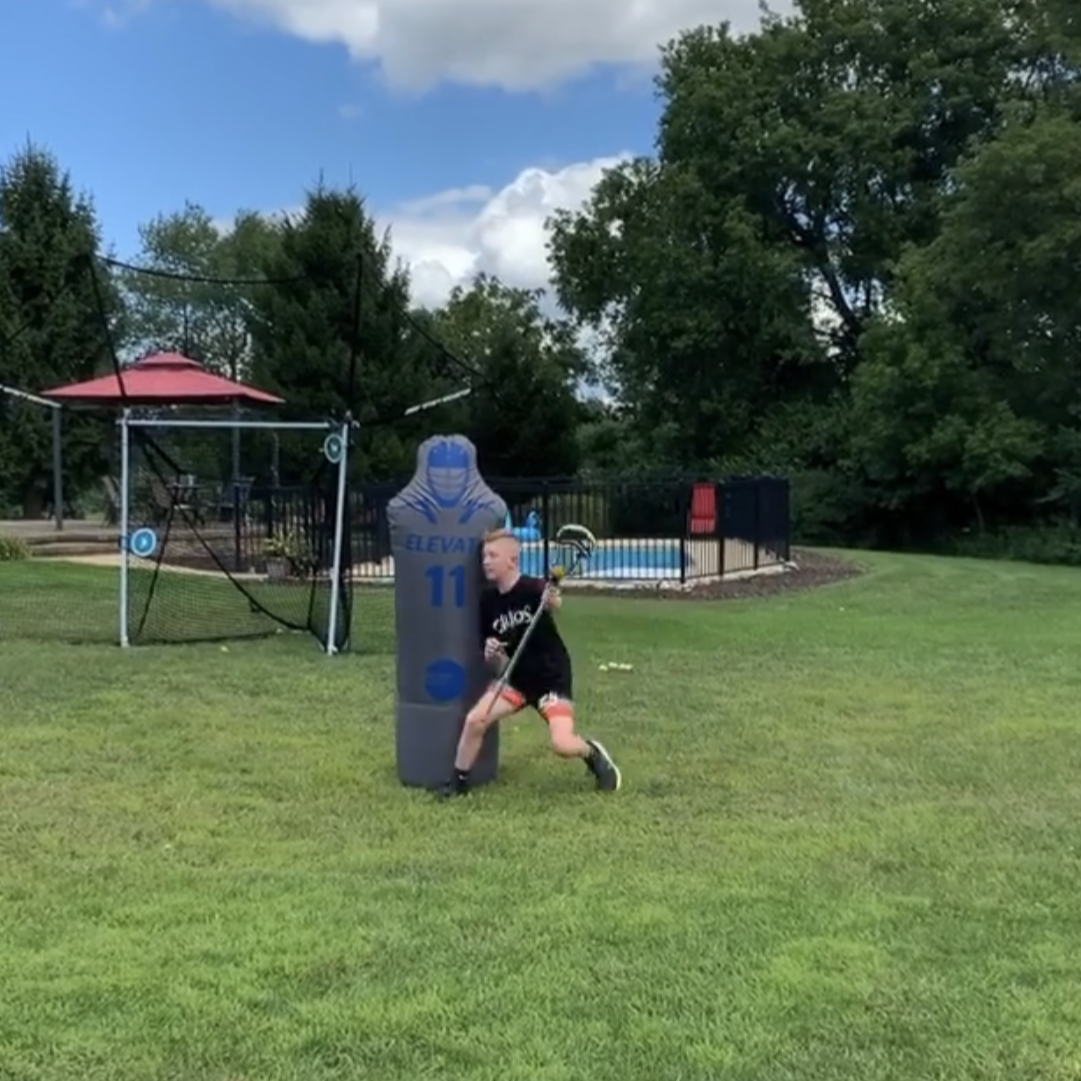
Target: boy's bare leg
point(559, 713)
point(488, 710)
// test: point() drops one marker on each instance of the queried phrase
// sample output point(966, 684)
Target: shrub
point(13, 549)
point(826, 507)
point(1044, 542)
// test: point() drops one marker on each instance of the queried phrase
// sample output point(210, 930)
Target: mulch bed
point(813, 569)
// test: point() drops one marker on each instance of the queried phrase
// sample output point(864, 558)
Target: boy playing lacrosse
point(542, 673)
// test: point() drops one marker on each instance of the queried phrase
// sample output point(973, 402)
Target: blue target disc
point(144, 542)
point(332, 449)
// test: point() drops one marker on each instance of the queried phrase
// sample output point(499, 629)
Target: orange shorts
point(547, 705)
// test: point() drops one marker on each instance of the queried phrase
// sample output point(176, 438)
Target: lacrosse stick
point(581, 542)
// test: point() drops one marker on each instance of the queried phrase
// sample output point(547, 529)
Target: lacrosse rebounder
point(437, 522)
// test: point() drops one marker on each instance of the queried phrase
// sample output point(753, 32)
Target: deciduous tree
point(191, 297)
point(524, 412)
point(972, 387)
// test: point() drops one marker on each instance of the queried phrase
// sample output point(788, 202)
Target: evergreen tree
point(332, 335)
point(55, 330)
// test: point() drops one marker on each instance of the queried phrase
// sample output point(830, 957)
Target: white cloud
point(513, 44)
point(449, 237)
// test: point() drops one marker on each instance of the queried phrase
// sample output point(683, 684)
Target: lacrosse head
point(578, 539)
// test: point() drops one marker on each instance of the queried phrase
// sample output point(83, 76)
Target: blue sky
point(186, 101)
point(245, 103)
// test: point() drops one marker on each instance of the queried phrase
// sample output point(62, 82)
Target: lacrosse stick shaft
point(504, 678)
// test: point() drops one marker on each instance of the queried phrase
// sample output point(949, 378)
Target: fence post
point(785, 486)
point(718, 524)
point(687, 500)
point(757, 522)
point(269, 511)
point(546, 526)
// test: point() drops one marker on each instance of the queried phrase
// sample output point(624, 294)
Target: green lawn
point(848, 849)
point(61, 601)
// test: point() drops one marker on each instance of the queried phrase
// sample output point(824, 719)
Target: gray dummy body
point(437, 522)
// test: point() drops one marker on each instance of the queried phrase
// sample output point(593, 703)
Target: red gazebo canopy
point(159, 380)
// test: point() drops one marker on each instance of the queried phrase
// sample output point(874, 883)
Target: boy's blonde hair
point(499, 536)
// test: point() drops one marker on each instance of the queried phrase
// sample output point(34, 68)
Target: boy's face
point(499, 558)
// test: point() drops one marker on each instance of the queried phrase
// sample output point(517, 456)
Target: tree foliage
point(851, 259)
point(973, 386)
point(816, 272)
point(191, 296)
point(523, 414)
point(55, 330)
point(332, 333)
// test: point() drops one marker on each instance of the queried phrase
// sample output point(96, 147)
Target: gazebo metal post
point(58, 451)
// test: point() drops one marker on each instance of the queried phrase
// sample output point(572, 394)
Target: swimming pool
point(626, 559)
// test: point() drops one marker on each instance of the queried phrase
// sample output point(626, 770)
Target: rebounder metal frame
point(126, 422)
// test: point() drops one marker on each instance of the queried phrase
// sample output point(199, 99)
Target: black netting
point(235, 554)
point(241, 521)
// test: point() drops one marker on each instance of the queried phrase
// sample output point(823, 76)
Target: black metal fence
point(674, 530)
point(662, 530)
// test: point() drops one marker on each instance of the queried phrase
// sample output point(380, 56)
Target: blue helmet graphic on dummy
point(448, 481)
point(448, 472)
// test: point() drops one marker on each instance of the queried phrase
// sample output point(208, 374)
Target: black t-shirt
point(545, 665)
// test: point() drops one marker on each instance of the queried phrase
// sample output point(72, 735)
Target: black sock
point(461, 777)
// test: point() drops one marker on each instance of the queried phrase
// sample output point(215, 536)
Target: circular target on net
point(333, 448)
point(144, 543)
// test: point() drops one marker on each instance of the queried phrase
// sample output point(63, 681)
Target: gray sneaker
point(602, 767)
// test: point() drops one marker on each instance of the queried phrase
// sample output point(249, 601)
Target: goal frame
point(126, 422)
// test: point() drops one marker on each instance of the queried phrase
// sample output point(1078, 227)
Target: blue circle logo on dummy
point(444, 680)
point(143, 543)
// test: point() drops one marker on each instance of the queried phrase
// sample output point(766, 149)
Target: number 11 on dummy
point(447, 584)
point(437, 522)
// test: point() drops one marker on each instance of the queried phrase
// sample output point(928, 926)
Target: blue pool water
point(614, 559)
